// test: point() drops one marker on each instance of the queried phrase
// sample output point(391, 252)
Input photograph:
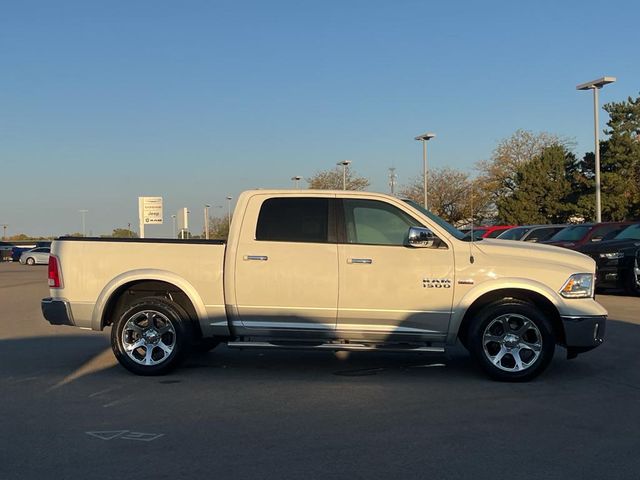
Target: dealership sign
point(150, 209)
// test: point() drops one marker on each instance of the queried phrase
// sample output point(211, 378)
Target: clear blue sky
point(101, 102)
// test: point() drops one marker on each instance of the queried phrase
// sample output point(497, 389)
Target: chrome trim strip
point(262, 258)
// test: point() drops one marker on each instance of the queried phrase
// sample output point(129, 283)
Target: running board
point(336, 346)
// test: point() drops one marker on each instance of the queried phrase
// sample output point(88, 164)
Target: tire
point(633, 278)
point(30, 261)
point(512, 340)
point(162, 331)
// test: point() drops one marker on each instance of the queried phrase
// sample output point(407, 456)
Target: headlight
point(579, 285)
point(612, 255)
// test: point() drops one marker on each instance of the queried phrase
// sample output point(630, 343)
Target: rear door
point(286, 266)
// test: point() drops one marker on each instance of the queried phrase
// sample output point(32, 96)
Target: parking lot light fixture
point(83, 214)
point(424, 138)
point(345, 164)
point(296, 181)
point(206, 221)
point(229, 198)
point(596, 85)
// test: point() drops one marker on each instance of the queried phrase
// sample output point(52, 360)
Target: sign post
point(149, 211)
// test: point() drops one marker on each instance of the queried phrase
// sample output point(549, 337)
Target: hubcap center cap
point(511, 340)
point(151, 336)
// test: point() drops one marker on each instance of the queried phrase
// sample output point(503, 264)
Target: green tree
point(332, 180)
point(619, 166)
point(450, 195)
point(123, 233)
point(541, 192)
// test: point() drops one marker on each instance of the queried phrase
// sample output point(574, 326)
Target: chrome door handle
point(359, 260)
point(262, 258)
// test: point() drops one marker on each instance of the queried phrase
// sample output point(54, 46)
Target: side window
point(376, 223)
point(294, 220)
point(603, 231)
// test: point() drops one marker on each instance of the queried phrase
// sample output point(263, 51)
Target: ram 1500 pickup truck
point(333, 270)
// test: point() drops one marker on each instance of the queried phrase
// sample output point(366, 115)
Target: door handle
point(359, 260)
point(262, 258)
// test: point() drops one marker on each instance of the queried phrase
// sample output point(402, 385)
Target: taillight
point(55, 279)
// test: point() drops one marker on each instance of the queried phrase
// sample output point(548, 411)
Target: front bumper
point(583, 333)
point(57, 311)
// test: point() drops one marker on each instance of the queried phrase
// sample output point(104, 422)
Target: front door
point(388, 288)
point(287, 267)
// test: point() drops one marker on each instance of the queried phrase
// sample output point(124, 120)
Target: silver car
point(35, 256)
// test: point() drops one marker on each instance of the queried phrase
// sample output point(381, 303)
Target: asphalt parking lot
point(67, 410)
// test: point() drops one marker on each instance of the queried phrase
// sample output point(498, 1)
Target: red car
point(486, 231)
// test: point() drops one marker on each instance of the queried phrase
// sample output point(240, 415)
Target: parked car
point(491, 231)
point(16, 253)
point(531, 233)
point(38, 255)
point(5, 251)
point(575, 236)
point(618, 260)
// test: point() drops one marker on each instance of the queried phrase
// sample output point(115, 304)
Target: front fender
point(145, 274)
point(489, 286)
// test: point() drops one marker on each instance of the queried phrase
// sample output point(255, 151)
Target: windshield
point(571, 234)
point(632, 232)
point(513, 233)
point(451, 230)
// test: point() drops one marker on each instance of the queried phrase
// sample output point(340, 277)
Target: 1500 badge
point(436, 283)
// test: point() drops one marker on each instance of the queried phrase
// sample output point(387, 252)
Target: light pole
point(175, 234)
point(83, 213)
point(4, 231)
point(206, 221)
point(296, 179)
point(596, 85)
point(345, 164)
point(229, 211)
point(424, 138)
point(392, 180)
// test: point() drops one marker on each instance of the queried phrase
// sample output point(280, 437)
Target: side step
point(362, 347)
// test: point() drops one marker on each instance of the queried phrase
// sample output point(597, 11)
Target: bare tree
point(332, 180)
point(453, 195)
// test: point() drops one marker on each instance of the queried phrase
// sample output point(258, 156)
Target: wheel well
point(132, 292)
point(548, 308)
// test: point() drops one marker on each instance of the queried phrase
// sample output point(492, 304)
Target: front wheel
point(512, 340)
point(633, 281)
point(152, 337)
point(31, 261)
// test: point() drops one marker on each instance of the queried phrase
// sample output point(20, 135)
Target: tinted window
point(631, 233)
point(600, 232)
point(495, 233)
point(294, 220)
point(571, 234)
point(513, 233)
point(542, 234)
point(376, 223)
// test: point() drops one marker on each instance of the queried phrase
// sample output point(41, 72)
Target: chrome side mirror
point(420, 237)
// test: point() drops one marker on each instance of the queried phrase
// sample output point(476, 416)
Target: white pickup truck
point(333, 270)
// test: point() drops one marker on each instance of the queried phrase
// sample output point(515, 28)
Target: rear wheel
point(30, 261)
point(152, 337)
point(512, 340)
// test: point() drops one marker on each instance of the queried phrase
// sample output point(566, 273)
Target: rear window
point(294, 220)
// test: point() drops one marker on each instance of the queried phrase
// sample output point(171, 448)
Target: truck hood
point(535, 255)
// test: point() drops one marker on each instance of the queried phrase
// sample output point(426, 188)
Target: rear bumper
point(583, 333)
point(57, 311)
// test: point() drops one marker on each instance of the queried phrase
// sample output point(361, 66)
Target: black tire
point(205, 345)
point(163, 331)
point(512, 340)
point(30, 261)
point(633, 277)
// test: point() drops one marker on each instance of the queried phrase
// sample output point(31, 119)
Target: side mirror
point(420, 237)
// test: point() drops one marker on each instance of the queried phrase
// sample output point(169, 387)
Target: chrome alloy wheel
point(636, 272)
point(148, 337)
point(512, 342)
